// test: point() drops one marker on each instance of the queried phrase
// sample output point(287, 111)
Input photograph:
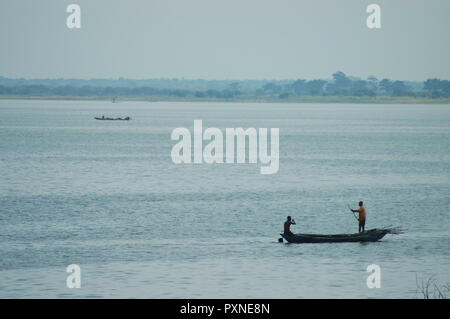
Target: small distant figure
point(362, 216)
point(287, 226)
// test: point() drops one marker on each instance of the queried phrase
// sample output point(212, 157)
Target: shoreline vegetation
point(340, 88)
point(273, 99)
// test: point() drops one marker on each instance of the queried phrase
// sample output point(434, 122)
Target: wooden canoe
point(367, 236)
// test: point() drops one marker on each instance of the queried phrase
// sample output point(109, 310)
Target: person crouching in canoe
point(362, 216)
point(287, 226)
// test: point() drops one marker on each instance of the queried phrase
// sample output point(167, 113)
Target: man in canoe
point(287, 226)
point(362, 216)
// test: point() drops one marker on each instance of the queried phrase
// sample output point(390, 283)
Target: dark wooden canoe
point(112, 119)
point(369, 235)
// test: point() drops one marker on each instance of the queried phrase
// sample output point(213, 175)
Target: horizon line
point(205, 79)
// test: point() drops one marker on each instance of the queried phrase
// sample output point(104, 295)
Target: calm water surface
point(105, 195)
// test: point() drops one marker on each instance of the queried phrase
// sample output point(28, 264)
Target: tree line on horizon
point(339, 85)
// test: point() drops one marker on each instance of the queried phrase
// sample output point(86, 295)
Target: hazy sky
point(225, 39)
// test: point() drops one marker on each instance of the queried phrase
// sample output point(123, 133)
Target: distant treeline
point(339, 85)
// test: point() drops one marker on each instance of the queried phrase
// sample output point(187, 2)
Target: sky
point(225, 39)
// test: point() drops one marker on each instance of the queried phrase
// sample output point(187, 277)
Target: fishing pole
point(352, 212)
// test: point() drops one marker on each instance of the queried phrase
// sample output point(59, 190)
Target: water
point(105, 195)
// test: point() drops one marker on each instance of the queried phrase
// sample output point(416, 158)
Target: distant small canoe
point(367, 236)
point(113, 119)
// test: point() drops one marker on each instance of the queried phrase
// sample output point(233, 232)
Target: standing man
point(362, 216)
